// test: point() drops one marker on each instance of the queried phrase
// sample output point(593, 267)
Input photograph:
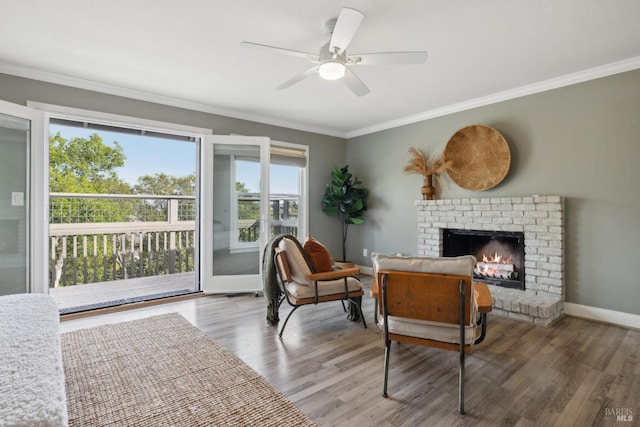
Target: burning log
point(496, 270)
point(500, 275)
point(489, 266)
point(510, 275)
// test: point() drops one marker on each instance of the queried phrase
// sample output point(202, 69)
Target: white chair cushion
point(329, 287)
point(462, 265)
point(436, 331)
point(297, 262)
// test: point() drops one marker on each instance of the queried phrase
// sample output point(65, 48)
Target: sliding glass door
point(235, 212)
point(16, 132)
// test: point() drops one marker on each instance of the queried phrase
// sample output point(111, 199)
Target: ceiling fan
point(332, 61)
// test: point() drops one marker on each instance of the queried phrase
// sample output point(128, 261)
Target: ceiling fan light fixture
point(332, 70)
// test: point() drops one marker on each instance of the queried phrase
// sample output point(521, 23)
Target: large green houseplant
point(343, 198)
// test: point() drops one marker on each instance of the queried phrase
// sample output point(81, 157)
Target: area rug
point(162, 371)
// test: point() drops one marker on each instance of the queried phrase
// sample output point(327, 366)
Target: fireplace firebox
point(499, 254)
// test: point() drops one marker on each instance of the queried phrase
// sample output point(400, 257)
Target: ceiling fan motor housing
point(326, 55)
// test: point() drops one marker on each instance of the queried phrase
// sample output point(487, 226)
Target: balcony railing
point(105, 237)
point(90, 243)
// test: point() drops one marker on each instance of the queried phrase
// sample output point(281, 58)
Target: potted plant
point(343, 198)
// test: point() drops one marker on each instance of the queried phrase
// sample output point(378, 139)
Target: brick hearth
point(540, 218)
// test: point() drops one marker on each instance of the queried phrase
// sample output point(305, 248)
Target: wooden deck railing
point(157, 239)
point(90, 252)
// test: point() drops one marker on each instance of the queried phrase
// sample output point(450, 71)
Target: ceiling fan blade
point(308, 56)
point(355, 84)
point(297, 78)
point(388, 58)
point(346, 26)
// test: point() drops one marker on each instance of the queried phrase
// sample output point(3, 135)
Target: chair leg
point(461, 384)
point(462, 341)
point(343, 306)
point(287, 319)
point(387, 349)
point(354, 313)
point(359, 304)
point(375, 311)
point(483, 334)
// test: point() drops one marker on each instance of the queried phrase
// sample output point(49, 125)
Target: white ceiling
point(188, 53)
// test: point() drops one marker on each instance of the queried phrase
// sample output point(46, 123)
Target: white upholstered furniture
point(32, 388)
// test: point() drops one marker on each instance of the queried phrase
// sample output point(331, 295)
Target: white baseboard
point(602, 315)
point(365, 270)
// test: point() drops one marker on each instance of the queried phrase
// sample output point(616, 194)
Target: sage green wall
point(325, 152)
point(581, 142)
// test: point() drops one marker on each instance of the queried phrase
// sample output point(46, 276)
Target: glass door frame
point(40, 175)
point(36, 214)
point(227, 284)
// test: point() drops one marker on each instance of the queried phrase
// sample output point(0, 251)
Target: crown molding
point(555, 83)
point(110, 89)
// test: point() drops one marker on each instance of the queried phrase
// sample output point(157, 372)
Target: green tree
point(248, 214)
point(169, 185)
point(247, 207)
point(81, 165)
point(86, 166)
point(164, 184)
point(241, 187)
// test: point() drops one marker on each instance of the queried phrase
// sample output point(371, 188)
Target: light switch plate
point(17, 198)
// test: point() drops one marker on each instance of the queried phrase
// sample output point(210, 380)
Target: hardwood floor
point(575, 372)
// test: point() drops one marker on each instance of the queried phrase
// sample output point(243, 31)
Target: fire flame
point(491, 266)
point(496, 258)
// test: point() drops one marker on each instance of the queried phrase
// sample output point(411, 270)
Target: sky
point(149, 156)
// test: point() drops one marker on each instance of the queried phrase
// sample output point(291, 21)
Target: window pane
point(285, 199)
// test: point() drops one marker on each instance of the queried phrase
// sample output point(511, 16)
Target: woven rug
point(162, 371)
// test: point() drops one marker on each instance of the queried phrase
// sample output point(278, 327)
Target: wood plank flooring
point(574, 373)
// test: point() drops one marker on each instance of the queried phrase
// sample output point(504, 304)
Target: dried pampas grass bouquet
point(420, 163)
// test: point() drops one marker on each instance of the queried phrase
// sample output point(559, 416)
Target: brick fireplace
point(539, 218)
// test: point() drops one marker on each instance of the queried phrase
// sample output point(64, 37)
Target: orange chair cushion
point(319, 254)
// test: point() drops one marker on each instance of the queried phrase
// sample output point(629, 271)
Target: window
point(287, 195)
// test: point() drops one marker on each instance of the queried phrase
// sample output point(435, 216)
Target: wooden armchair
point(431, 302)
point(300, 286)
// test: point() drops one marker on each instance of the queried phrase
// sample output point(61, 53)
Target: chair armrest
point(483, 297)
point(374, 290)
point(334, 274)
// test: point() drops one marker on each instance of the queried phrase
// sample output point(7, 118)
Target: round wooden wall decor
point(479, 156)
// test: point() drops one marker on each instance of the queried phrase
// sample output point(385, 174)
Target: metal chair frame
point(464, 286)
point(354, 297)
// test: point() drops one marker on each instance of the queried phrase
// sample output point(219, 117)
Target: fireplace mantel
point(540, 218)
